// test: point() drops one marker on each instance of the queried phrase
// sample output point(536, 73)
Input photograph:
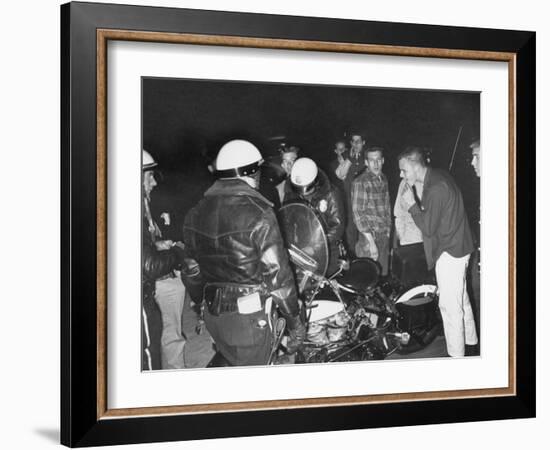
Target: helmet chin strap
point(253, 181)
point(306, 191)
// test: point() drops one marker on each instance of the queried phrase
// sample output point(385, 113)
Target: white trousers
point(170, 296)
point(454, 303)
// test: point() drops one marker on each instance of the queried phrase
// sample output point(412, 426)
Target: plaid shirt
point(370, 201)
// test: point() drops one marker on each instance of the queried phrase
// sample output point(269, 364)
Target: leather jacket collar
point(234, 187)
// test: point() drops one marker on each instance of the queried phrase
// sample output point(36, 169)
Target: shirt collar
point(372, 176)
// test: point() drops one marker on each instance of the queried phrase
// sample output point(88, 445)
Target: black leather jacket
point(155, 263)
point(327, 202)
point(234, 235)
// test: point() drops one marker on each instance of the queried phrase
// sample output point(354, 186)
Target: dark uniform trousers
point(244, 338)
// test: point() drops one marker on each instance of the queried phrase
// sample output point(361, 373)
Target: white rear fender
point(418, 291)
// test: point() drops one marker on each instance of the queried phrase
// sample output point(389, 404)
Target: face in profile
point(407, 171)
point(476, 160)
point(374, 162)
point(149, 182)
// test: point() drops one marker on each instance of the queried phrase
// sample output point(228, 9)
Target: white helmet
point(238, 158)
point(147, 162)
point(303, 175)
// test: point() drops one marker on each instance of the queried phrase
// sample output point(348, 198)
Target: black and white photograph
point(307, 224)
point(275, 221)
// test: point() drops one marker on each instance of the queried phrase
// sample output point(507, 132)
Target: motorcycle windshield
point(305, 237)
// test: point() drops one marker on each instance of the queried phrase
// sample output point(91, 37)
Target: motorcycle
point(352, 315)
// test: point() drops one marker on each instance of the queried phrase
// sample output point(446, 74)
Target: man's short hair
point(374, 149)
point(357, 132)
point(294, 149)
point(285, 148)
point(413, 154)
point(475, 144)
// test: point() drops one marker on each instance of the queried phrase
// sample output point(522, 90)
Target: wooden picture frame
point(86, 418)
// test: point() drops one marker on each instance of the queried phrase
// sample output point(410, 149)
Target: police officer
point(313, 186)
point(234, 235)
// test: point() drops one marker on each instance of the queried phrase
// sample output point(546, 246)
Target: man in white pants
point(170, 296)
point(162, 267)
point(448, 243)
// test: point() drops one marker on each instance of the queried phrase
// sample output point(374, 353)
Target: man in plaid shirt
point(370, 200)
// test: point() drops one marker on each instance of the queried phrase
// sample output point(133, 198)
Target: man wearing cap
point(163, 292)
point(234, 236)
point(448, 243)
point(370, 202)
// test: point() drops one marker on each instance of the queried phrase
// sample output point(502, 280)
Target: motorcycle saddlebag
point(416, 316)
point(422, 321)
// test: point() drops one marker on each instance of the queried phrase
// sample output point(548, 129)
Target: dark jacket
point(234, 236)
point(271, 175)
point(442, 219)
point(326, 200)
point(155, 264)
point(357, 166)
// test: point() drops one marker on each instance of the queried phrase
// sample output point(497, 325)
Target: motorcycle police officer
point(234, 236)
point(313, 186)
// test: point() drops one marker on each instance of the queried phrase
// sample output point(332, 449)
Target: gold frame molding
point(105, 35)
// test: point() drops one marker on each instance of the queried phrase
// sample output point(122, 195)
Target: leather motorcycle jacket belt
point(221, 298)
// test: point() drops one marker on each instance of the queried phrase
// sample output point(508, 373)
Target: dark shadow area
point(186, 121)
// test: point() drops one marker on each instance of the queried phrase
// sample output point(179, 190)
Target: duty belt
point(221, 298)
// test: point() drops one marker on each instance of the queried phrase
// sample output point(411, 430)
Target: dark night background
point(185, 122)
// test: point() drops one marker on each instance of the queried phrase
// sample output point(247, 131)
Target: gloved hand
point(296, 334)
point(192, 278)
point(179, 250)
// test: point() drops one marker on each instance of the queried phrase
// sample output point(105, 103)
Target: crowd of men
point(232, 259)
